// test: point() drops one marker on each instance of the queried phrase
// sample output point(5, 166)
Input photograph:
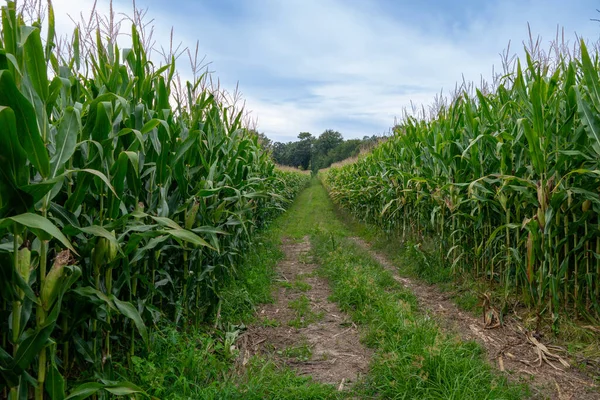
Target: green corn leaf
point(14, 171)
point(31, 347)
point(84, 391)
point(40, 189)
point(95, 173)
point(130, 312)
point(88, 389)
point(95, 294)
point(590, 120)
point(99, 231)
point(35, 61)
point(590, 74)
point(103, 126)
point(40, 225)
point(27, 127)
point(123, 389)
point(187, 236)
point(12, 154)
point(55, 383)
point(66, 139)
point(119, 173)
point(10, 30)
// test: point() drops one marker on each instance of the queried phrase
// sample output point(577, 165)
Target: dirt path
point(508, 347)
point(303, 329)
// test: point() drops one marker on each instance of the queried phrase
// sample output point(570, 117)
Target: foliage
point(201, 364)
point(294, 154)
point(195, 365)
point(317, 153)
point(507, 182)
point(412, 358)
point(126, 201)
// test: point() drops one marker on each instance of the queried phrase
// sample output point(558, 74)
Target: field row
point(126, 201)
point(505, 182)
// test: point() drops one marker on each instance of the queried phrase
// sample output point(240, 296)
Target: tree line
point(314, 153)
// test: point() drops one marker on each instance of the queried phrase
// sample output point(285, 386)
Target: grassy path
point(303, 328)
point(507, 346)
point(412, 357)
point(332, 323)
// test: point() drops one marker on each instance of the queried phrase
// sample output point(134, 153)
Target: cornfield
point(126, 200)
point(506, 181)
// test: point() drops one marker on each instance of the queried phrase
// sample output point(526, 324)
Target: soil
point(510, 348)
point(321, 341)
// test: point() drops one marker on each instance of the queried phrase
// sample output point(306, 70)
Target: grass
point(304, 313)
point(301, 286)
point(201, 364)
point(196, 365)
point(270, 322)
point(425, 263)
point(297, 284)
point(291, 169)
point(300, 352)
point(413, 358)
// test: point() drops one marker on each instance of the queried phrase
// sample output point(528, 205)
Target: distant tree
point(305, 136)
point(316, 153)
point(264, 141)
point(294, 154)
point(279, 153)
point(346, 149)
point(327, 141)
point(304, 150)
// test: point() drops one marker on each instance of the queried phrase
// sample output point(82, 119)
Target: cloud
point(352, 65)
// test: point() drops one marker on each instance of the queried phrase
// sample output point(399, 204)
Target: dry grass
point(364, 150)
point(291, 169)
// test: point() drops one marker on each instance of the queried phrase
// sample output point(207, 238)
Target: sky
point(353, 66)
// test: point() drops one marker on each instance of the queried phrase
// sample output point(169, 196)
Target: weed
point(270, 322)
point(413, 358)
point(301, 286)
point(301, 352)
point(304, 314)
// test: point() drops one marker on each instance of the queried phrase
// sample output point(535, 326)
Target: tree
point(295, 154)
point(304, 150)
point(327, 141)
point(316, 153)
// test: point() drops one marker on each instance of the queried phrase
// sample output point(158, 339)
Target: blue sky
point(349, 65)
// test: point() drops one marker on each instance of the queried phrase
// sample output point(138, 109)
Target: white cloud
point(354, 62)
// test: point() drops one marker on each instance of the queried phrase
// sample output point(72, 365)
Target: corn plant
point(127, 199)
point(505, 180)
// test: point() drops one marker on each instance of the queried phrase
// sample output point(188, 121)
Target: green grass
point(270, 322)
point(300, 352)
point(414, 358)
point(301, 286)
point(200, 364)
point(297, 284)
point(304, 313)
point(196, 365)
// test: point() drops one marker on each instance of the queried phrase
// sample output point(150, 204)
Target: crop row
point(506, 182)
point(124, 203)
